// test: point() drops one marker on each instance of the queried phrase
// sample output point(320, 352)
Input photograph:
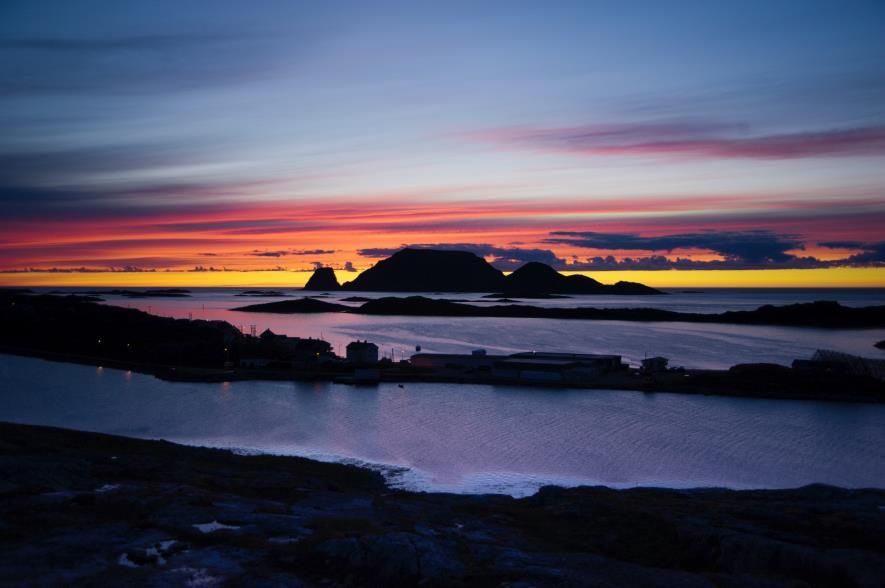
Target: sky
point(208, 143)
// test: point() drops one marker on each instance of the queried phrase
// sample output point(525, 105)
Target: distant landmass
point(432, 270)
point(823, 313)
point(298, 306)
point(538, 278)
point(262, 293)
point(162, 293)
point(323, 279)
point(429, 270)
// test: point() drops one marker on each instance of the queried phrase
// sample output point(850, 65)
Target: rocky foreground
point(102, 510)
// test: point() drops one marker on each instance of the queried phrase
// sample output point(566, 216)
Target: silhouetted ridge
point(535, 277)
point(433, 270)
point(323, 278)
point(299, 306)
point(823, 314)
point(429, 270)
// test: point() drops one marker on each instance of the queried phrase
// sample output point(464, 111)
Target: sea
point(495, 439)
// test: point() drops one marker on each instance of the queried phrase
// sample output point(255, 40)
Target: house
point(268, 336)
point(362, 352)
point(285, 348)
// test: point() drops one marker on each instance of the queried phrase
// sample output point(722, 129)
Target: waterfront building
point(362, 352)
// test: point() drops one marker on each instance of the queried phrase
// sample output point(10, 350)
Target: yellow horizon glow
point(843, 277)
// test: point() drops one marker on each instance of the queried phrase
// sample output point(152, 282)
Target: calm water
point(687, 344)
point(472, 438)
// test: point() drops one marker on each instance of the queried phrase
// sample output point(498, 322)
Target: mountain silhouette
point(323, 278)
point(537, 278)
point(433, 270)
point(429, 270)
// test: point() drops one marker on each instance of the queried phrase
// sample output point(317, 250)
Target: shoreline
point(697, 382)
point(105, 509)
point(77, 329)
point(820, 314)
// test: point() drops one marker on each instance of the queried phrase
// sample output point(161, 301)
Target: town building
point(478, 359)
point(284, 348)
point(530, 366)
point(362, 352)
point(556, 367)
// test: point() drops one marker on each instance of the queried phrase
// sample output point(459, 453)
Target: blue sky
point(752, 115)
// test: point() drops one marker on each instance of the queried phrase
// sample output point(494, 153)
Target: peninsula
point(74, 328)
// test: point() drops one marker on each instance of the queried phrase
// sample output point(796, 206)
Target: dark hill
point(538, 277)
point(535, 277)
point(823, 314)
point(299, 306)
point(429, 270)
point(418, 306)
point(623, 287)
point(75, 324)
point(323, 278)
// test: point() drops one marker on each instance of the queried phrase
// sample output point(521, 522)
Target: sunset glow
point(135, 150)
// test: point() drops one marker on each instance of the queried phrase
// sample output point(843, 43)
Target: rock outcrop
point(429, 270)
point(89, 509)
point(323, 279)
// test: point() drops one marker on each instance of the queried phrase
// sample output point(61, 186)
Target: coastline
point(818, 314)
point(77, 329)
point(759, 385)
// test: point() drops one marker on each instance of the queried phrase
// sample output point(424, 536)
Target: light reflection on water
point(471, 438)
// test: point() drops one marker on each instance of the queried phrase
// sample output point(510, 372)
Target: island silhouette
point(435, 270)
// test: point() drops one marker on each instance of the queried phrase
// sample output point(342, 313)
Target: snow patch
point(125, 561)
point(214, 526)
point(199, 578)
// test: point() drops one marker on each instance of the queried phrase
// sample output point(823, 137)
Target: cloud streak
point(136, 64)
point(755, 249)
point(749, 246)
point(690, 139)
point(283, 253)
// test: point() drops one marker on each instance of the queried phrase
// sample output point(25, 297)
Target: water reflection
point(473, 438)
